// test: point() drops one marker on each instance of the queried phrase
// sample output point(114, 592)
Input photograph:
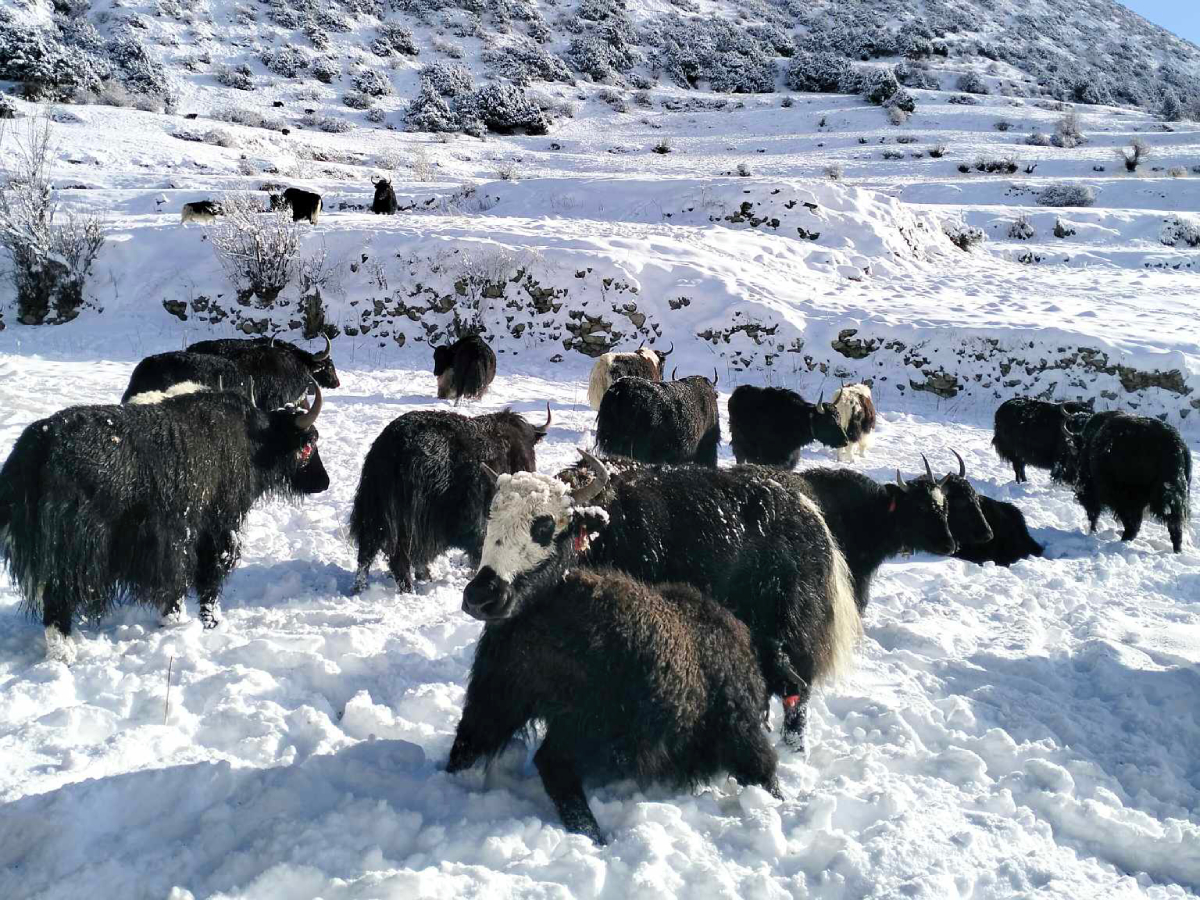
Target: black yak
point(655, 683)
point(856, 416)
point(1006, 538)
point(423, 489)
point(1131, 465)
point(384, 203)
point(167, 374)
point(873, 522)
point(100, 504)
point(644, 363)
point(304, 204)
point(1029, 432)
point(464, 369)
point(769, 426)
point(760, 550)
point(661, 422)
point(203, 211)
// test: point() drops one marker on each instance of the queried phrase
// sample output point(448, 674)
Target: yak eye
point(542, 530)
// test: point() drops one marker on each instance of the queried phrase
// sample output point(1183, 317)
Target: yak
point(303, 204)
point(465, 368)
point(100, 504)
point(165, 374)
point(1006, 539)
point(1029, 432)
point(769, 426)
point(661, 422)
point(202, 211)
point(656, 683)
point(423, 490)
point(1130, 465)
point(856, 417)
point(384, 203)
point(644, 363)
point(760, 550)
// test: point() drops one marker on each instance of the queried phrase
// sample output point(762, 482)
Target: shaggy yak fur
point(660, 422)
point(464, 369)
point(769, 426)
point(100, 504)
point(645, 363)
point(1029, 432)
point(384, 203)
point(1131, 465)
point(203, 211)
point(276, 371)
point(856, 416)
point(761, 551)
point(1009, 539)
point(423, 489)
point(658, 684)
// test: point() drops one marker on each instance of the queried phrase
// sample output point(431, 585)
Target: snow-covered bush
point(1067, 195)
point(1038, 139)
point(714, 51)
point(1178, 171)
point(1068, 132)
point(600, 58)
point(256, 248)
point(448, 79)
point(238, 77)
point(50, 251)
point(962, 235)
point(251, 118)
point(835, 172)
point(286, 61)
point(879, 85)
point(8, 109)
point(394, 38)
point(613, 98)
point(823, 73)
point(357, 100)
point(1171, 109)
point(331, 124)
point(505, 109)
point(49, 68)
point(372, 82)
point(1021, 229)
point(1180, 230)
point(448, 103)
point(524, 62)
point(1134, 155)
point(972, 83)
point(325, 70)
point(376, 116)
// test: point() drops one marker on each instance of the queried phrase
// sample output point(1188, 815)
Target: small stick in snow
point(167, 703)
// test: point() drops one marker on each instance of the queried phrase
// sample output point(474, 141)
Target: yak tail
point(1176, 491)
point(393, 505)
point(835, 655)
point(20, 525)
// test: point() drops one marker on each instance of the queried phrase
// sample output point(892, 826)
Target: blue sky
point(1179, 16)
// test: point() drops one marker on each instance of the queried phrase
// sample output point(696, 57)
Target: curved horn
point(714, 376)
point(542, 429)
point(324, 355)
point(900, 480)
point(673, 371)
point(221, 383)
point(304, 421)
point(271, 342)
point(490, 473)
point(928, 471)
point(584, 494)
point(962, 466)
point(820, 398)
point(253, 402)
point(664, 355)
point(642, 344)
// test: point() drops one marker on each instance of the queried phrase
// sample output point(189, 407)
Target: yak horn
point(221, 384)
point(668, 352)
point(324, 355)
point(490, 473)
point(542, 429)
point(584, 494)
point(253, 402)
point(673, 371)
point(714, 376)
point(928, 471)
point(900, 480)
point(304, 421)
point(962, 466)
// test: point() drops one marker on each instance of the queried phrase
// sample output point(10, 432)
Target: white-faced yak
point(643, 363)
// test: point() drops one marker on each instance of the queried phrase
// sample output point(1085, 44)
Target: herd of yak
point(645, 608)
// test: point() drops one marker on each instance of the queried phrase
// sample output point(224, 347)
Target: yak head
point(921, 506)
point(291, 446)
point(1070, 446)
point(657, 358)
point(321, 366)
point(826, 424)
point(443, 359)
point(537, 528)
point(968, 525)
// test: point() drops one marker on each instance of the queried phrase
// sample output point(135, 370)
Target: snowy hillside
point(1017, 732)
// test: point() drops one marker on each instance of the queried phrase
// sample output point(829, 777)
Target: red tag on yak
point(581, 542)
point(305, 452)
point(790, 702)
point(892, 506)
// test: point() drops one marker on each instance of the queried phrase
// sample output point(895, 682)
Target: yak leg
point(751, 760)
point(400, 566)
point(215, 558)
point(706, 451)
point(1091, 505)
point(487, 724)
point(790, 679)
point(369, 546)
point(1019, 471)
point(56, 617)
point(556, 764)
point(1131, 519)
point(1175, 522)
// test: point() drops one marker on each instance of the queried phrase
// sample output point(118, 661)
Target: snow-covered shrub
point(1134, 155)
point(49, 68)
point(524, 62)
point(321, 122)
point(663, 146)
point(743, 170)
point(917, 76)
point(972, 83)
point(51, 252)
point(1067, 195)
point(219, 137)
point(1063, 229)
point(325, 70)
point(835, 172)
point(507, 170)
point(394, 38)
point(286, 61)
point(239, 77)
point(879, 85)
point(451, 49)
point(376, 116)
point(505, 109)
point(357, 100)
point(139, 72)
point(1068, 132)
point(902, 100)
point(893, 154)
point(1178, 171)
point(447, 103)
point(714, 51)
point(1004, 165)
point(962, 235)
point(257, 248)
point(1021, 229)
point(1172, 109)
point(1180, 230)
point(448, 79)
point(896, 116)
point(823, 73)
point(599, 58)
point(251, 118)
point(963, 100)
point(1038, 139)
point(372, 82)
point(937, 151)
point(8, 109)
point(615, 99)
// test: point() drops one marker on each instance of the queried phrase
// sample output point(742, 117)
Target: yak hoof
point(360, 582)
point(59, 647)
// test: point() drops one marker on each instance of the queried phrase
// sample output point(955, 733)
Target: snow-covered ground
point(1006, 733)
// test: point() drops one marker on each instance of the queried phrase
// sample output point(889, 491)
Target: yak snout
point(488, 596)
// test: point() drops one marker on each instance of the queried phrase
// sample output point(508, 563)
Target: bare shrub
point(896, 115)
point(422, 165)
point(1021, 229)
point(835, 172)
point(51, 253)
point(1068, 132)
point(893, 154)
point(1178, 171)
point(1133, 157)
point(663, 145)
point(743, 170)
point(1067, 195)
point(507, 170)
point(257, 248)
point(938, 152)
